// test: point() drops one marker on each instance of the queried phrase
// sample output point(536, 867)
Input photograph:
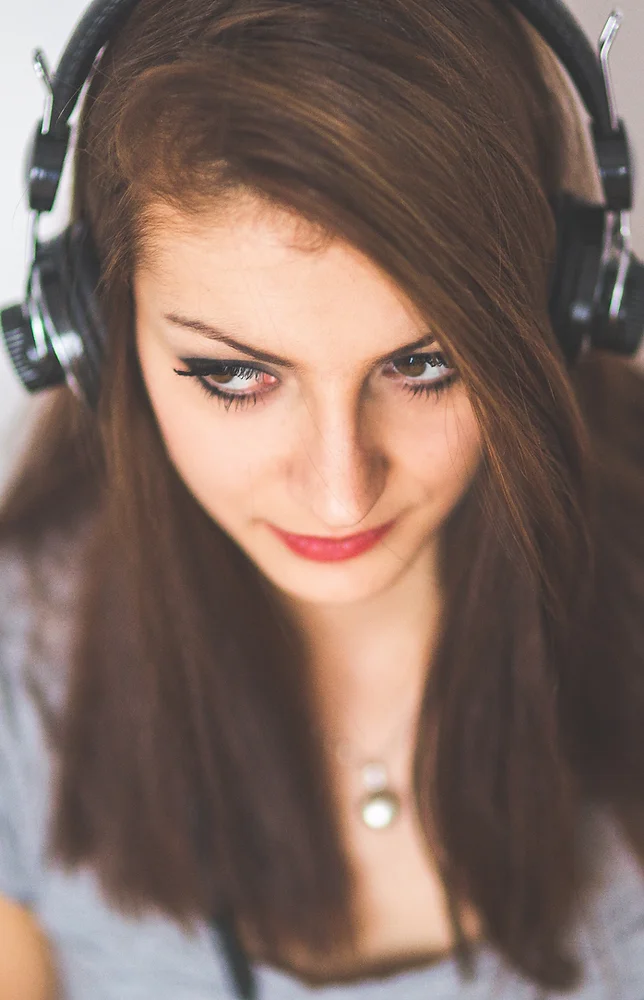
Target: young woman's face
point(330, 425)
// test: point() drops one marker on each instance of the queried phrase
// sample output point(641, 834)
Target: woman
point(235, 757)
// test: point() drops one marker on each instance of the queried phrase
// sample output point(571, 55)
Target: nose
point(340, 471)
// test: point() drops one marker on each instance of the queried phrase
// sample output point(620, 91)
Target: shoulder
point(39, 591)
point(610, 933)
point(27, 963)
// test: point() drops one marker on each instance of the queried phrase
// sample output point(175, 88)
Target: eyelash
point(201, 368)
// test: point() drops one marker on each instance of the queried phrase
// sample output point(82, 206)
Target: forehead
point(242, 224)
point(259, 269)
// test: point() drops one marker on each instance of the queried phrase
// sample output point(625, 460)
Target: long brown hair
point(193, 771)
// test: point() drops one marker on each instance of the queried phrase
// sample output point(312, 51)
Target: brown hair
point(430, 137)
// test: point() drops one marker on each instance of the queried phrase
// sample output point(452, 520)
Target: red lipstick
point(332, 549)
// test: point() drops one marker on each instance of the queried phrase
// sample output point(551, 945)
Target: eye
point(438, 376)
point(212, 374)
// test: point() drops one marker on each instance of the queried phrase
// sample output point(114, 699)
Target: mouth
point(326, 549)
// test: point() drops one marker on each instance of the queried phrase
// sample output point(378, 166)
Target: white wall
point(48, 23)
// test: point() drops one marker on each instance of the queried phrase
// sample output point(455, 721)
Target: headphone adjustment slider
point(613, 152)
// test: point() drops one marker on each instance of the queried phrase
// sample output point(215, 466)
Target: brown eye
point(438, 375)
point(223, 378)
point(415, 364)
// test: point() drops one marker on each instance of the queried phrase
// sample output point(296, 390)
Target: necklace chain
point(346, 756)
point(380, 803)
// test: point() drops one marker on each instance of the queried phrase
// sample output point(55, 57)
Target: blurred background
point(47, 24)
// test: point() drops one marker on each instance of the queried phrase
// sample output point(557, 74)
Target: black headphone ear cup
point(81, 278)
point(634, 295)
point(625, 335)
point(576, 271)
point(58, 333)
point(67, 273)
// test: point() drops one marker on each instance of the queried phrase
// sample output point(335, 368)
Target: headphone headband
point(550, 18)
point(558, 27)
point(97, 26)
point(554, 22)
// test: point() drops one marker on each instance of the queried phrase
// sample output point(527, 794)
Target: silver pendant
point(380, 810)
point(380, 807)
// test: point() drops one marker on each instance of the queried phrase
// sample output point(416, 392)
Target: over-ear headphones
point(597, 283)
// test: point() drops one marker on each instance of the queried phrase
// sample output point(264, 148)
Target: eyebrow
point(213, 333)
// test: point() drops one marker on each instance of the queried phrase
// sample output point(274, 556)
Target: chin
point(332, 583)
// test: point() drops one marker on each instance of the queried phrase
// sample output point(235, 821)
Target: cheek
point(217, 465)
point(446, 452)
point(204, 455)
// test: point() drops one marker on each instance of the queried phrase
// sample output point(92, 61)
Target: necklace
point(380, 804)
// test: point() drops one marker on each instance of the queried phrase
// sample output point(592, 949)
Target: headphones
point(596, 294)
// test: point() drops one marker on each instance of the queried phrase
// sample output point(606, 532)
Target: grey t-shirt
point(104, 955)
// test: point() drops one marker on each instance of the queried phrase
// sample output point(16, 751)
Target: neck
point(369, 659)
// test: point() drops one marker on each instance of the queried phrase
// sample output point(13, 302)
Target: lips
point(332, 549)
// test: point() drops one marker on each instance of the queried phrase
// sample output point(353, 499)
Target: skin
point(27, 962)
point(336, 448)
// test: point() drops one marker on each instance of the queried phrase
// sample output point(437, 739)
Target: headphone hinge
point(46, 166)
point(614, 159)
